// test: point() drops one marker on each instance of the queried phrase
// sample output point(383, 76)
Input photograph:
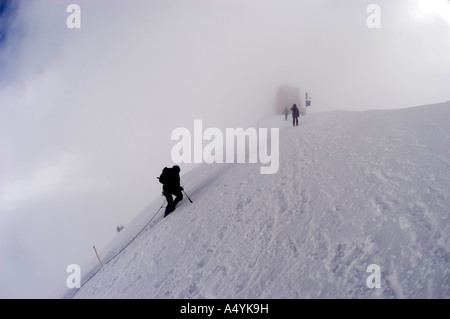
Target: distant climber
point(286, 113)
point(295, 115)
point(170, 178)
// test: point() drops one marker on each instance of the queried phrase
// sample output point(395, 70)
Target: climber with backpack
point(170, 178)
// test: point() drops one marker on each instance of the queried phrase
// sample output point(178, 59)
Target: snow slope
point(353, 189)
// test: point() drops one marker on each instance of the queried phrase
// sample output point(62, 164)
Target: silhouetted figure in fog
point(286, 113)
point(170, 178)
point(295, 114)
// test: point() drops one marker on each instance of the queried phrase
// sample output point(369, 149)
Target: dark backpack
point(165, 176)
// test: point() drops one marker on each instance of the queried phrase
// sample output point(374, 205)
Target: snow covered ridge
point(353, 189)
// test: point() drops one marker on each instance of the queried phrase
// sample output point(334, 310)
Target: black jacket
point(170, 180)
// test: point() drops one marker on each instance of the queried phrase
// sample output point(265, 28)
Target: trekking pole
point(187, 196)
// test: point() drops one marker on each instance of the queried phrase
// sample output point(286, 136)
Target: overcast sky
point(86, 114)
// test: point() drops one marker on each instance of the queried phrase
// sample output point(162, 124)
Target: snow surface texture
point(353, 189)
